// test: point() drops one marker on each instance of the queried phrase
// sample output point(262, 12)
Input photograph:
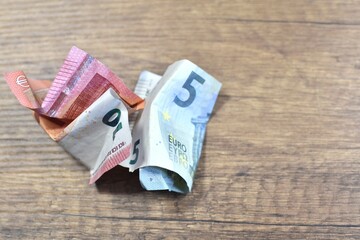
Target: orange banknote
point(85, 107)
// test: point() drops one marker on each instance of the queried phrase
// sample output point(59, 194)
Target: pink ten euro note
point(85, 109)
point(80, 81)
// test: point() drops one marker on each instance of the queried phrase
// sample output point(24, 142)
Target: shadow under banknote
point(119, 180)
point(220, 102)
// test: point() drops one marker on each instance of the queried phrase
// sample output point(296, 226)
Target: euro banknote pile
point(159, 128)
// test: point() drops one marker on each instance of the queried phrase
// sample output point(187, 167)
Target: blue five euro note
point(169, 134)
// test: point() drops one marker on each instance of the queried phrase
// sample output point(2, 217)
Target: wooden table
point(281, 156)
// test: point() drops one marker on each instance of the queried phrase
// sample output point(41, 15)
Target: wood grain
point(281, 157)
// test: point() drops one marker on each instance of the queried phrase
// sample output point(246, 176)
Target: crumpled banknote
point(159, 128)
